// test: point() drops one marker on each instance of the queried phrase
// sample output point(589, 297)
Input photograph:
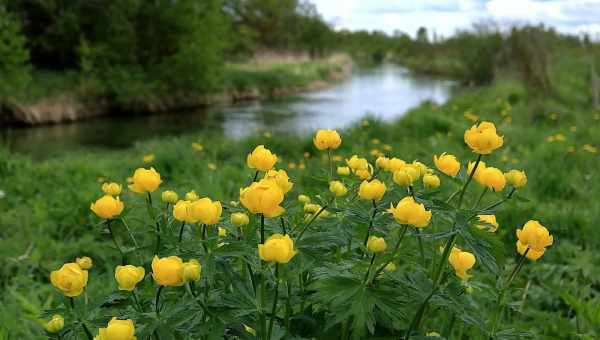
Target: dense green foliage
point(14, 57)
point(46, 219)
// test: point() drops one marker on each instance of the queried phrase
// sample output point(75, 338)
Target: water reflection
point(386, 92)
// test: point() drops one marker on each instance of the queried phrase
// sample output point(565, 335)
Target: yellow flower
point(281, 178)
point(338, 188)
point(55, 324)
point(535, 237)
point(375, 152)
point(470, 116)
point(113, 189)
point(589, 148)
point(482, 138)
point(382, 162)
point(376, 244)
point(433, 334)
point(461, 261)
point(144, 180)
point(447, 164)
point(303, 198)
point(395, 164)
point(516, 178)
point(261, 159)
point(191, 196)
point(207, 211)
point(129, 276)
point(263, 197)
point(167, 271)
point(70, 279)
point(493, 179)
point(356, 163)
point(191, 271)
point(212, 166)
point(148, 158)
point(327, 139)
point(420, 167)
point(84, 262)
point(292, 165)
point(117, 330)
point(405, 176)
point(390, 267)
point(197, 147)
point(407, 211)
point(343, 170)
point(490, 219)
point(478, 171)
point(183, 212)
point(373, 190)
point(306, 154)
point(531, 253)
point(169, 196)
point(363, 174)
point(277, 248)
point(387, 147)
point(337, 158)
point(239, 219)
point(431, 181)
point(107, 207)
point(375, 141)
point(222, 232)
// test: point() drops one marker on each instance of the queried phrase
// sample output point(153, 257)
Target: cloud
point(447, 16)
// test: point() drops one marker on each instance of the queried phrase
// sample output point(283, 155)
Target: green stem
point(366, 279)
point(502, 294)
point(86, 330)
point(330, 164)
point(440, 269)
point(136, 301)
point(262, 229)
point(261, 302)
point(421, 249)
point(283, 226)
point(114, 239)
point(312, 220)
point(137, 247)
point(396, 247)
point(371, 220)
point(157, 301)
point(288, 305)
point(485, 190)
point(181, 231)
point(274, 308)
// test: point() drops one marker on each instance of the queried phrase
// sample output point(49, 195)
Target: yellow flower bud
point(493, 179)
point(395, 164)
point(447, 164)
point(183, 211)
point(191, 271)
point(363, 174)
point(303, 199)
point(263, 197)
point(84, 262)
point(421, 168)
point(355, 163)
point(343, 170)
point(191, 196)
point(382, 162)
point(261, 159)
point(117, 330)
point(107, 207)
point(239, 219)
point(144, 180)
point(482, 138)
point(390, 267)
point(55, 324)
point(113, 189)
point(407, 211)
point(373, 190)
point(148, 158)
point(534, 237)
point(405, 176)
point(433, 334)
point(197, 147)
point(207, 211)
point(281, 178)
point(338, 188)
point(516, 178)
point(167, 271)
point(169, 196)
point(376, 244)
point(222, 232)
point(70, 279)
point(490, 219)
point(461, 261)
point(311, 208)
point(277, 248)
point(327, 139)
point(431, 181)
point(129, 276)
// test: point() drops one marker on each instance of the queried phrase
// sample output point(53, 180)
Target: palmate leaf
point(462, 305)
point(486, 246)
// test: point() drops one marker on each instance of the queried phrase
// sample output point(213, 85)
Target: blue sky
point(446, 16)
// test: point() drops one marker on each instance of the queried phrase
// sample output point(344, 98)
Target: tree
point(14, 56)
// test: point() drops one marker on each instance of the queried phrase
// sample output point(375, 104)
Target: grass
point(46, 220)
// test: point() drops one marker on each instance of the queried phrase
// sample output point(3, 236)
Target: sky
point(444, 17)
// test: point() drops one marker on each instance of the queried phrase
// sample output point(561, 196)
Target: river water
point(387, 92)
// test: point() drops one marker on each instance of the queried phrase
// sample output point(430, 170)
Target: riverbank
point(258, 79)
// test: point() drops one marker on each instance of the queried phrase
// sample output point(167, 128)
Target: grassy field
point(46, 221)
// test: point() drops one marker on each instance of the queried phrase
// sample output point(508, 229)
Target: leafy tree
point(14, 56)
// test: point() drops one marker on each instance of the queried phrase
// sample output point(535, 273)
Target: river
point(387, 92)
